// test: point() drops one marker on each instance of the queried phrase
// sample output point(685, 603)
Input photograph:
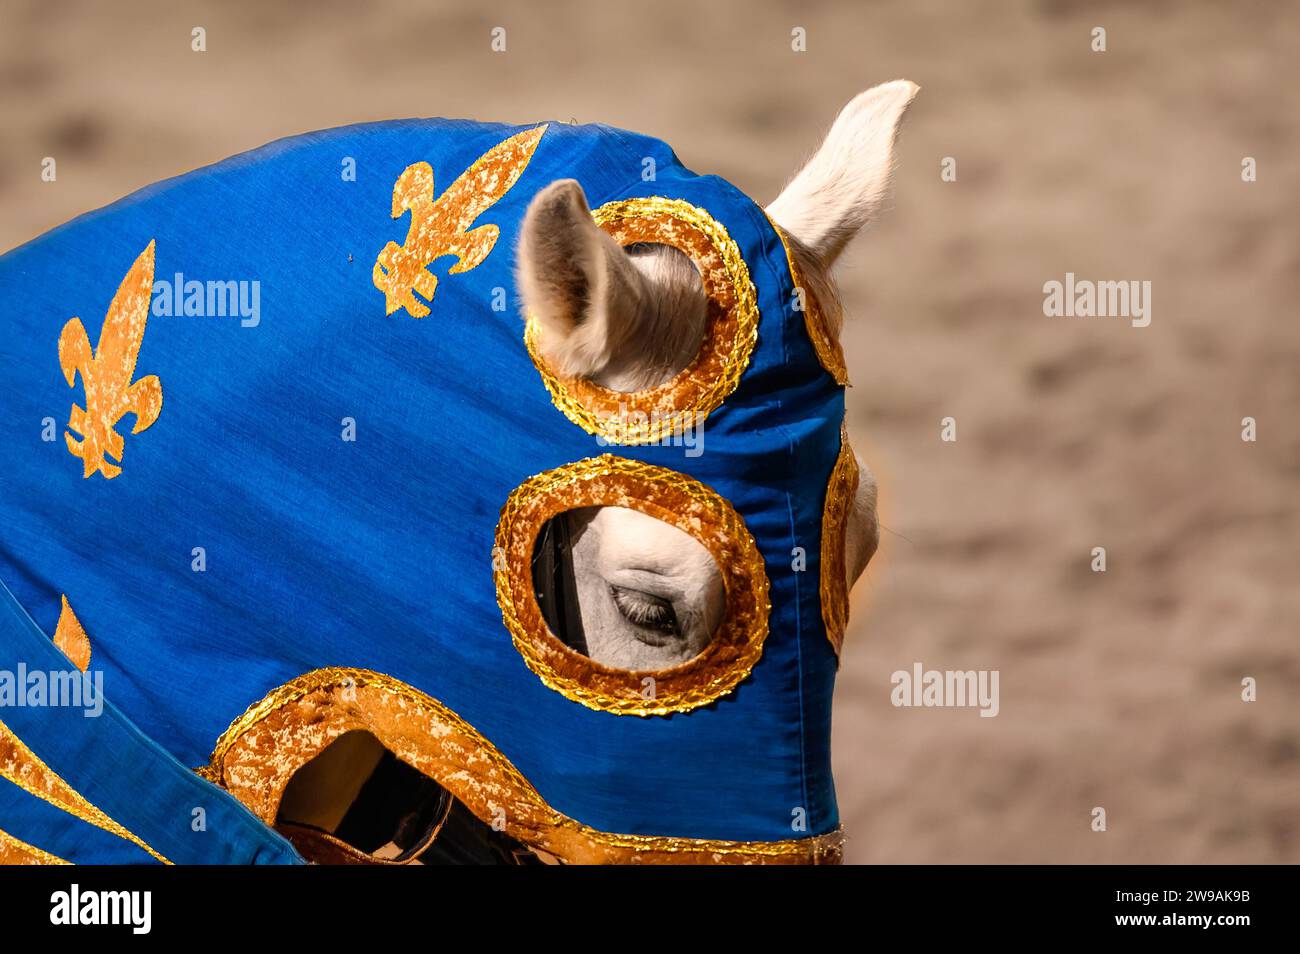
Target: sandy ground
point(1119, 690)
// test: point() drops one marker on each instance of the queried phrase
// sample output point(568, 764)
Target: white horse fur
point(649, 595)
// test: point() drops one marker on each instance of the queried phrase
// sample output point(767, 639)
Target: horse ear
point(845, 183)
point(576, 280)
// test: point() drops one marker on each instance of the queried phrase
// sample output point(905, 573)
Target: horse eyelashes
point(643, 609)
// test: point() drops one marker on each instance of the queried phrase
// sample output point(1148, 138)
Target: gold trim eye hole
point(677, 500)
point(731, 330)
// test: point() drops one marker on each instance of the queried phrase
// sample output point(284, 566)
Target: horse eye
point(645, 609)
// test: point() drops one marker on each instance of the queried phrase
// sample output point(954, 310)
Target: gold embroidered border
point(840, 491)
point(824, 340)
point(257, 756)
point(15, 851)
point(730, 334)
point(678, 501)
point(20, 765)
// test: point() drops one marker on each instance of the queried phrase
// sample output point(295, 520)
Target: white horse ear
point(576, 280)
point(845, 183)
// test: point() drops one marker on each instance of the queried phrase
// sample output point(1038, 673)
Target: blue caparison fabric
point(376, 553)
point(119, 771)
point(63, 835)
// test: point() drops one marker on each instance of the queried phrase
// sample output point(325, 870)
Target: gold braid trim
point(835, 519)
point(257, 756)
point(824, 340)
point(14, 851)
point(676, 500)
point(20, 765)
point(731, 331)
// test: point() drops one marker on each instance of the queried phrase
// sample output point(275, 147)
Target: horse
point(387, 717)
point(641, 593)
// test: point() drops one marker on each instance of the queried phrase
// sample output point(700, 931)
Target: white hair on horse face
point(630, 319)
point(650, 595)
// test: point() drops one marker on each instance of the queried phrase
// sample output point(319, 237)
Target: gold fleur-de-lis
point(441, 227)
point(107, 371)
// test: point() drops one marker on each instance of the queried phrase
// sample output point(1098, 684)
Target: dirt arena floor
point(1119, 690)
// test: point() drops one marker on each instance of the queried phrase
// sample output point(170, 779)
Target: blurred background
point(1119, 689)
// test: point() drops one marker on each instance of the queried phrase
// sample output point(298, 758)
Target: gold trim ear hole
point(731, 330)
